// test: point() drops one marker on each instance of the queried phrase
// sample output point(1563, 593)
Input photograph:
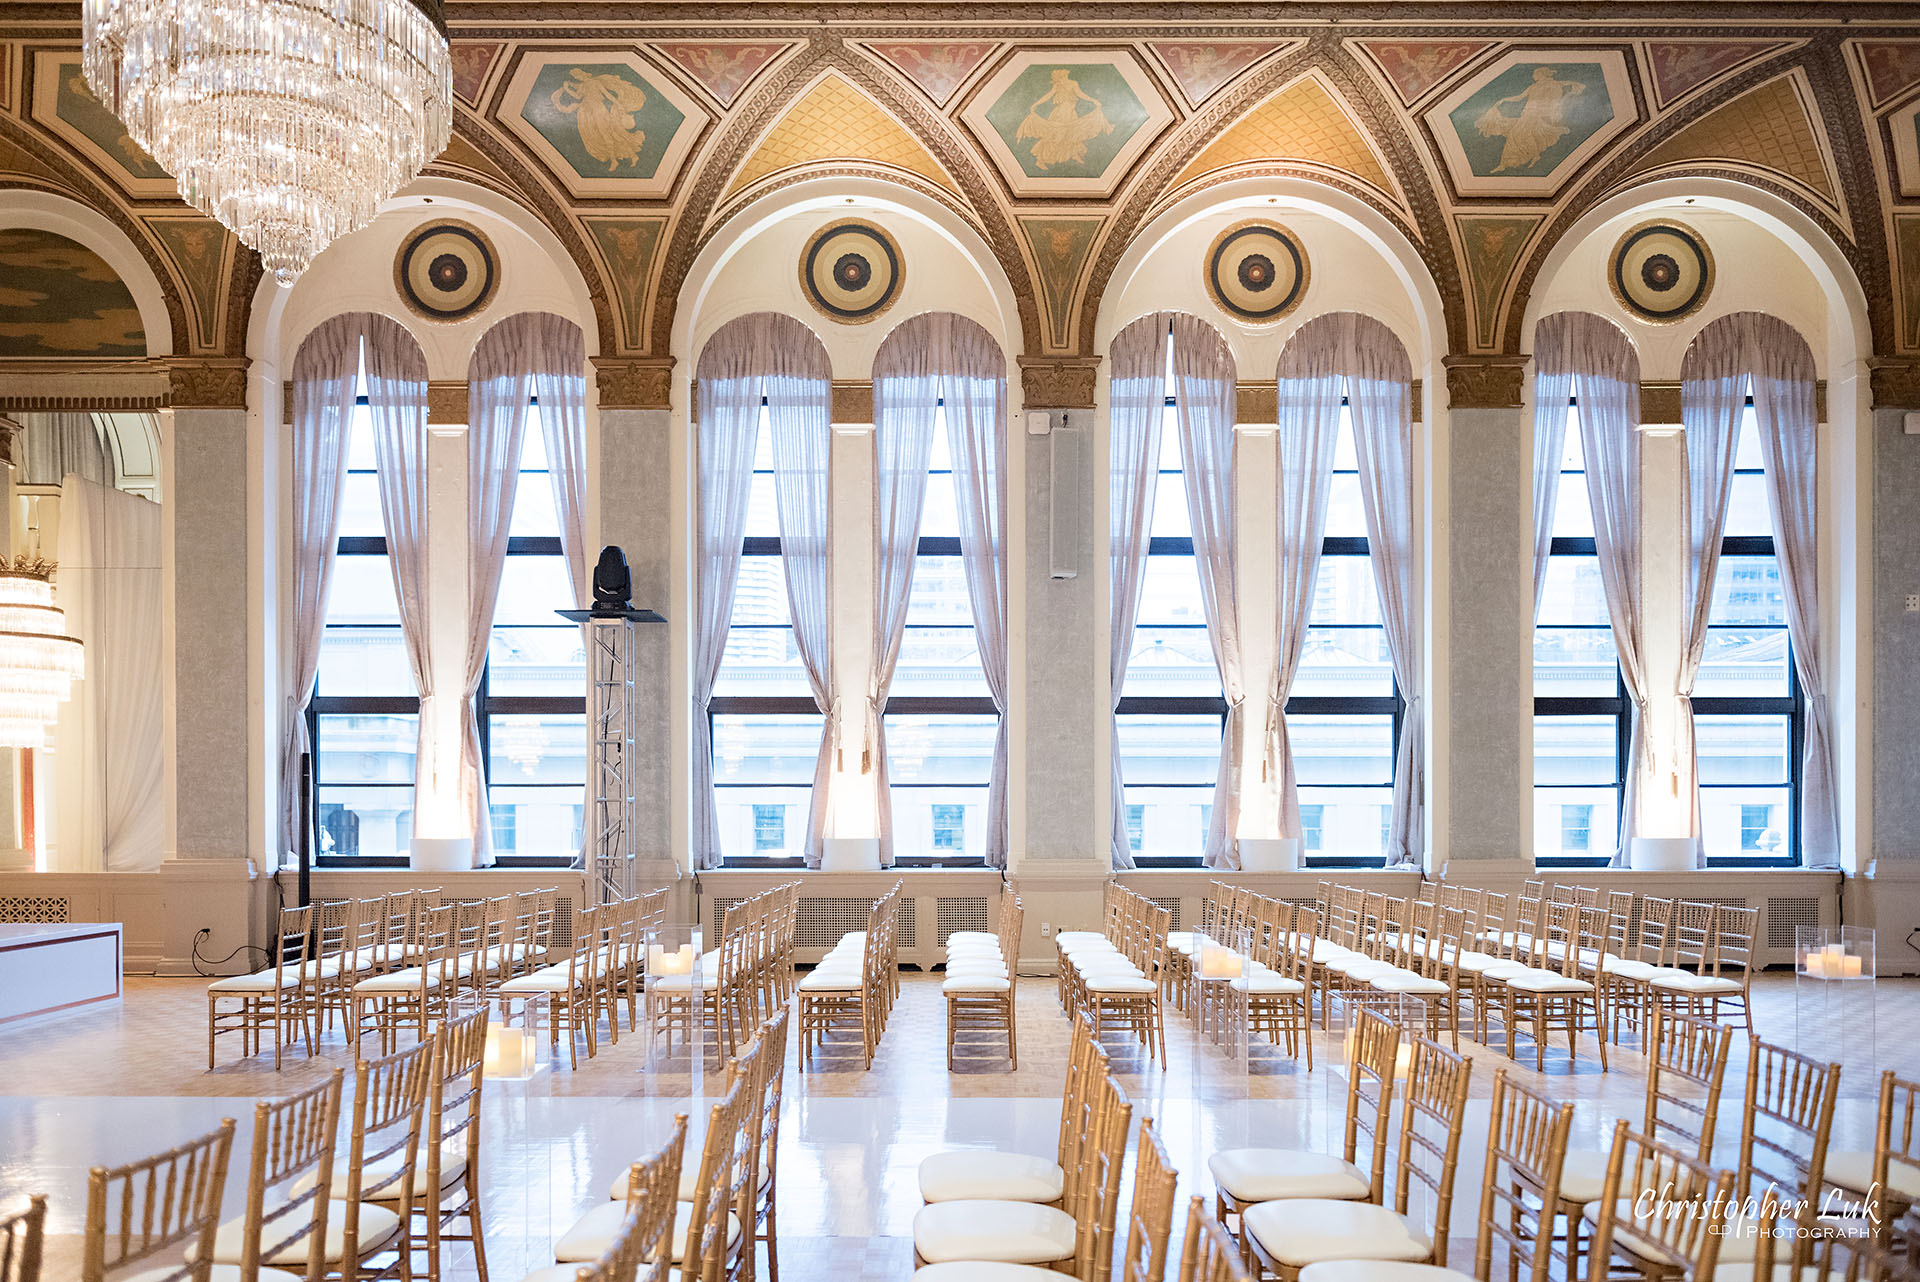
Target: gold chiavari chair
point(288, 1221)
point(1208, 1253)
point(571, 988)
point(763, 1215)
point(1725, 976)
point(380, 1174)
point(1785, 1126)
point(963, 1175)
point(1279, 983)
point(1661, 1215)
point(1534, 887)
point(641, 1248)
point(1130, 997)
point(1287, 1236)
point(331, 968)
point(1077, 1238)
point(1425, 961)
point(981, 987)
point(1554, 995)
point(415, 995)
point(1150, 1216)
point(137, 1211)
point(22, 1240)
point(1885, 1181)
point(1689, 946)
point(450, 1148)
point(1248, 1177)
point(1825, 1255)
point(272, 1000)
point(1686, 1064)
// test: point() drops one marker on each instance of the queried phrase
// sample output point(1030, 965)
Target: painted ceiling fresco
point(59, 298)
point(637, 133)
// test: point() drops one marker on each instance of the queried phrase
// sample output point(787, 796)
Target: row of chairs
point(725, 1206)
point(1297, 1213)
point(734, 987)
point(602, 969)
point(855, 984)
point(388, 1196)
point(982, 972)
point(1115, 975)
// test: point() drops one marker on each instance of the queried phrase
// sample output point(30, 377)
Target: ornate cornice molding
point(207, 382)
point(634, 383)
point(1660, 402)
point(1058, 382)
point(1485, 382)
point(1895, 384)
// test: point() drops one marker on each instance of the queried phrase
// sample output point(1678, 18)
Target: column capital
point(634, 382)
point(1895, 382)
point(1485, 382)
point(1058, 382)
point(7, 429)
point(207, 382)
point(852, 400)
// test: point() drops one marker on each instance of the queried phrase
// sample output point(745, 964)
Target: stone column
point(634, 485)
point(1482, 772)
point(212, 700)
point(1060, 861)
point(13, 858)
point(1893, 892)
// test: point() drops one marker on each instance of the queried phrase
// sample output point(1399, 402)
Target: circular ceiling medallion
point(1257, 271)
point(447, 271)
point(851, 271)
point(1661, 271)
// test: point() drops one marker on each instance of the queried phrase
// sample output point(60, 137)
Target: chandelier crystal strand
point(288, 121)
point(39, 662)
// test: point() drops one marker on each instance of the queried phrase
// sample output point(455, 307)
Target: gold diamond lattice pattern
point(1766, 127)
point(1302, 122)
point(835, 121)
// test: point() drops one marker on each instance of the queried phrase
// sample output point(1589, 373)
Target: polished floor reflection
point(107, 1086)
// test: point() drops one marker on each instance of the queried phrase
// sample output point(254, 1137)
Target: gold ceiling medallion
point(447, 271)
point(1256, 272)
point(1661, 272)
point(851, 271)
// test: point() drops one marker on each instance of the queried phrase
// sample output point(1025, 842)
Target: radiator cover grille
point(956, 913)
point(34, 908)
point(1785, 915)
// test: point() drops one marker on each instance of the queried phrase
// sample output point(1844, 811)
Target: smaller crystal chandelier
point(288, 121)
point(38, 660)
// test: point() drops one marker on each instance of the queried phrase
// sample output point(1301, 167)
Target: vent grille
point(1785, 915)
point(1172, 905)
point(909, 937)
point(562, 918)
point(952, 913)
point(820, 922)
point(34, 908)
point(718, 926)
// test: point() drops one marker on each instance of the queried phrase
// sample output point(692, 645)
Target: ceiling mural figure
point(1062, 122)
point(1530, 120)
point(1059, 124)
point(606, 104)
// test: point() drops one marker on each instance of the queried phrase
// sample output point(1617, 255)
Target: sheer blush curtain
point(1735, 352)
point(499, 393)
point(326, 373)
point(396, 372)
point(932, 359)
point(557, 351)
point(109, 784)
point(1310, 379)
point(1580, 354)
point(1380, 397)
point(1136, 403)
point(778, 359)
point(1205, 405)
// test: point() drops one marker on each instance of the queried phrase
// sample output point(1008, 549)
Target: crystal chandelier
point(38, 660)
point(288, 121)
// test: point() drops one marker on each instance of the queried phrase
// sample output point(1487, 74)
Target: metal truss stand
point(611, 850)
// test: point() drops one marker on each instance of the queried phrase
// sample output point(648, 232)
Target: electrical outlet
point(1046, 930)
point(1913, 603)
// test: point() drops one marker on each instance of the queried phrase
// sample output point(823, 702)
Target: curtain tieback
point(1270, 739)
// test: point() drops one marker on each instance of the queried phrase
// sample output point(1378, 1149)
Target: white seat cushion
point(997, 1229)
point(831, 981)
point(1583, 1176)
point(1406, 982)
point(1267, 982)
point(1380, 1271)
point(593, 1232)
point(541, 981)
point(1118, 983)
point(261, 981)
point(1695, 984)
point(1546, 981)
point(1854, 1170)
point(378, 1227)
point(1267, 1174)
point(984, 1271)
point(689, 1179)
point(1627, 968)
point(975, 984)
point(1066, 937)
point(1739, 1238)
point(968, 936)
point(983, 1174)
point(1303, 1231)
point(402, 981)
point(992, 970)
point(453, 1165)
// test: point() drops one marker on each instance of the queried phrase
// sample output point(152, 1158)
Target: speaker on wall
point(1064, 501)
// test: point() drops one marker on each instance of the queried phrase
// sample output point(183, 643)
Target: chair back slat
point(23, 1240)
point(1209, 1253)
point(292, 1137)
point(1526, 1153)
point(1686, 1064)
point(1433, 1111)
point(1673, 1207)
point(1150, 1216)
point(1373, 1059)
point(136, 1211)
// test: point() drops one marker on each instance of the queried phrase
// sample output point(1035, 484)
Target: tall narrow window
point(1172, 711)
point(365, 713)
point(1746, 699)
point(766, 729)
point(1579, 702)
point(941, 721)
point(1343, 712)
point(533, 695)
